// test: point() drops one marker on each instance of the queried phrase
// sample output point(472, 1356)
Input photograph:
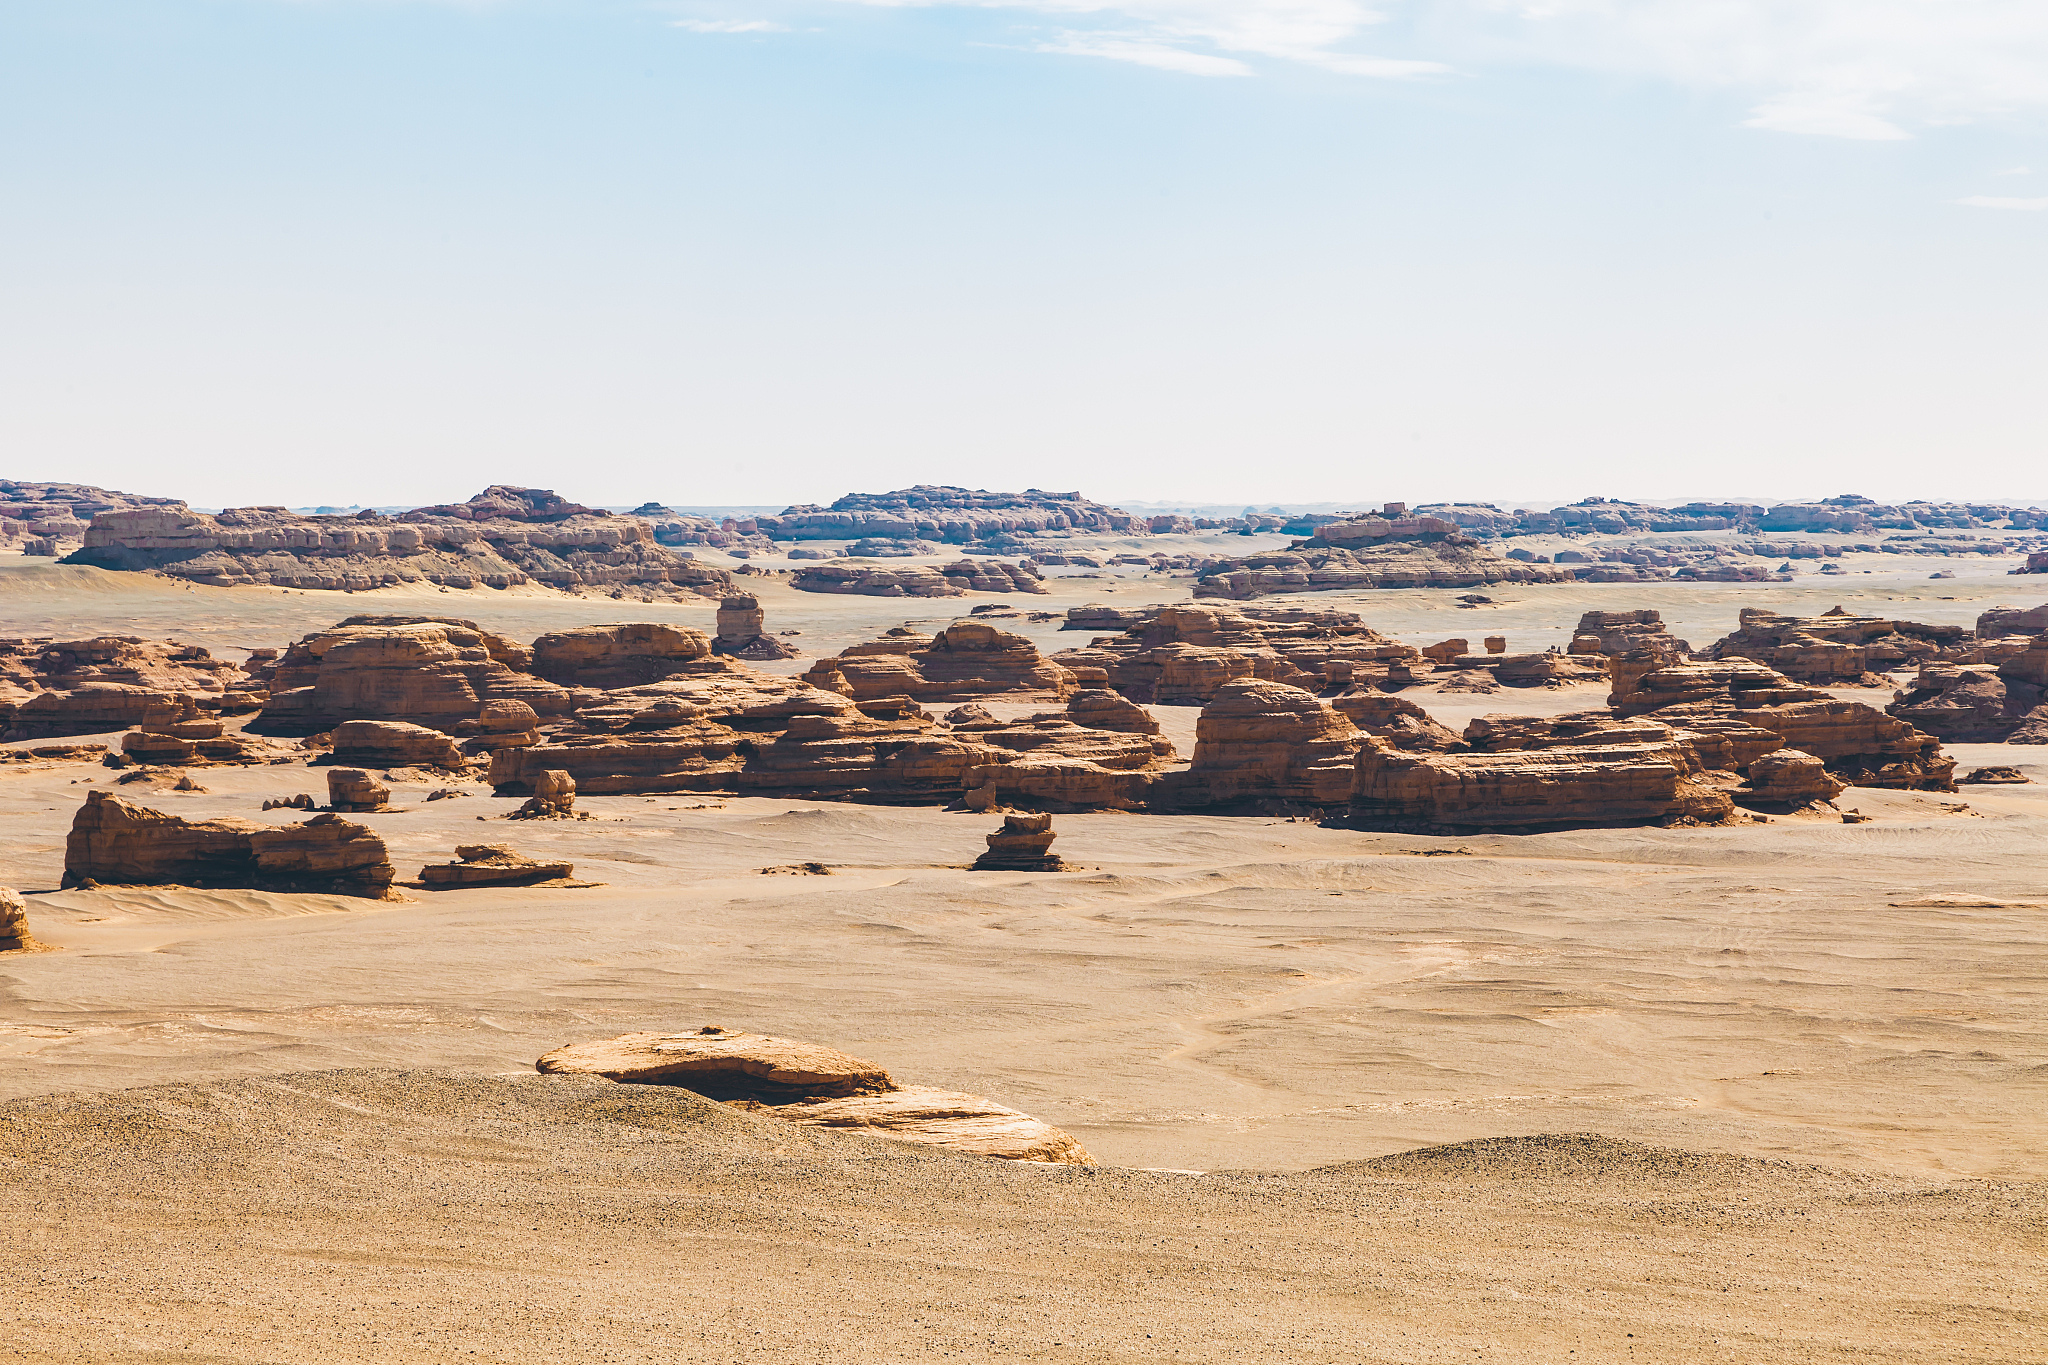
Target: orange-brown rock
point(14, 932)
point(432, 672)
point(1740, 682)
point(1967, 703)
point(1559, 786)
point(687, 756)
point(819, 1087)
point(1023, 844)
point(352, 789)
point(1623, 632)
point(965, 661)
point(743, 631)
point(1835, 646)
point(190, 742)
point(1396, 720)
point(116, 843)
point(1789, 777)
point(1269, 741)
point(1860, 744)
point(612, 656)
point(719, 690)
point(492, 865)
point(881, 759)
point(52, 688)
point(394, 744)
point(1181, 655)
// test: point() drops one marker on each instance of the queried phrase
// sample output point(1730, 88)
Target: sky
point(1264, 251)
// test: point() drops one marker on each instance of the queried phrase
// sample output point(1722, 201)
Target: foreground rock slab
point(818, 1087)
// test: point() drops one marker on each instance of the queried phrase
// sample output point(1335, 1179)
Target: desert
point(638, 947)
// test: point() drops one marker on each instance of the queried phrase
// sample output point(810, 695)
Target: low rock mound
point(495, 865)
point(819, 1087)
point(115, 843)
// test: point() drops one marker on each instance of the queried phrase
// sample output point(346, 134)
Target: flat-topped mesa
point(954, 515)
point(115, 843)
point(918, 580)
point(966, 661)
point(1623, 632)
point(1435, 560)
point(52, 688)
point(818, 1087)
point(743, 631)
point(503, 537)
point(1182, 654)
point(613, 656)
point(1858, 743)
point(1548, 787)
point(431, 671)
point(1836, 646)
point(59, 513)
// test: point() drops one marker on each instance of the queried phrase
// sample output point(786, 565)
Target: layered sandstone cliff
point(504, 537)
point(50, 688)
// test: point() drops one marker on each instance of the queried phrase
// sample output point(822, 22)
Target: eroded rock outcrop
point(819, 1087)
point(394, 744)
point(965, 661)
point(613, 656)
point(492, 865)
point(1554, 786)
point(191, 743)
point(14, 934)
point(51, 688)
point(431, 671)
point(1271, 742)
point(1183, 654)
point(504, 537)
point(1619, 632)
point(1023, 844)
point(943, 513)
point(743, 631)
point(1396, 720)
point(918, 580)
point(1449, 561)
point(1833, 647)
point(115, 843)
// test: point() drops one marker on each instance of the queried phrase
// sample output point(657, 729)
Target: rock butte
point(115, 843)
point(819, 1087)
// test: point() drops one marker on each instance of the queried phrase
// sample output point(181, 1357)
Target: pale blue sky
point(383, 251)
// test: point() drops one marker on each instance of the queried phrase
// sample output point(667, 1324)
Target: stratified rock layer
point(115, 843)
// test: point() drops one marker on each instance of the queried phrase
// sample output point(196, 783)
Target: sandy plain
point(1807, 1062)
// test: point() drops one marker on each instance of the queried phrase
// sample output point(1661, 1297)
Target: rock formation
point(743, 631)
point(1023, 844)
point(967, 660)
point(59, 513)
point(190, 742)
point(353, 790)
point(1396, 720)
point(492, 865)
point(13, 921)
point(503, 537)
point(431, 671)
point(115, 843)
point(817, 1086)
point(1619, 632)
point(955, 515)
point(1181, 655)
point(1269, 741)
point(918, 580)
point(1449, 561)
point(1966, 703)
point(52, 688)
point(394, 744)
point(1834, 647)
point(554, 797)
point(606, 657)
point(1555, 786)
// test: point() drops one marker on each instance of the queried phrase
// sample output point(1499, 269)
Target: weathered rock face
point(2012, 621)
point(501, 538)
point(394, 744)
point(1399, 722)
point(743, 631)
point(61, 511)
point(689, 756)
point(607, 657)
point(51, 688)
point(1096, 707)
point(191, 743)
point(116, 843)
point(1619, 632)
point(965, 661)
point(1269, 741)
point(1833, 647)
point(492, 865)
point(882, 759)
point(1023, 844)
point(956, 515)
point(1314, 566)
point(554, 797)
point(1741, 682)
point(918, 580)
point(1181, 655)
point(425, 671)
point(13, 921)
point(1965, 704)
point(1788, 777)
point(1555, 786)
point(352, 789)
point(820, 1087)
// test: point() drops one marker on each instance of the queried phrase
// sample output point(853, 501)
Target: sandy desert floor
point(1808, 1062)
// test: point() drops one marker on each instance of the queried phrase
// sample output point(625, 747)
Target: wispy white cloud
point(730, 26)
point(1989, 201)
point(1874, 70)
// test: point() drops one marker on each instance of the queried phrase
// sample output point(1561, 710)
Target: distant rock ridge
point(504, 537)
point(62, 511)
point(944, 513)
